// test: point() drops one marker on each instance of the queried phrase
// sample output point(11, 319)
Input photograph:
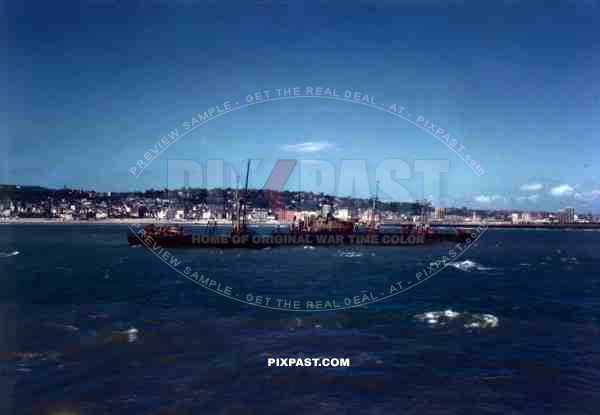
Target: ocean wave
point(119, 337)
point(27, 355)
point(62, 327)
point(467, 320)
point(483, 321)
point(132, 334)
point(350, 254)
point(9, 254)
point(23, 370)
point(366, 359)
point(468, 265)
point(570, 260)
point(434, 317)
point(20, 356)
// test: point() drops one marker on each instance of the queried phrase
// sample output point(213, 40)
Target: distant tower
point(567, 215)
point(374, 207)
point(236, 199)
point(440, 214)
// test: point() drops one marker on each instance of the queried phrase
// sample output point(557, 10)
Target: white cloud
point(530, 198)
point(309, 147)
point(591, 195)
point(532, 187)
point(485, 199)
point(562, 190)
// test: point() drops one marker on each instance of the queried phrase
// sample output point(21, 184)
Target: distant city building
point(66, 216)
point(454, 218)
point(517, 218)
point(325, 209)
point(142, 211)
point(566, 215)
point(342, 214)
point(440, 213)
point(161, 214)
point(196, 204)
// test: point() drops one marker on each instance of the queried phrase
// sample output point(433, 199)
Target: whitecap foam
point(9, 254)
point(465, 265)
point(451, 314)
point(65, 327)
point(132, 334)
point(437, 315)
point(467, 320)
point(482, 321)
point(468, 265)
point(350, 254)
point(437, 264)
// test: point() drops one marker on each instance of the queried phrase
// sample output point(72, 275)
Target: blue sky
point(91, 86)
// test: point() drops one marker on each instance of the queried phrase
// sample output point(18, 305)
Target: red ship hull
point(257, 241)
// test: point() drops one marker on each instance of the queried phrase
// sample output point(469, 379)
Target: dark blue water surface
point(92, 326)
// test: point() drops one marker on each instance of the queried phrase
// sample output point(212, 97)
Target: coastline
point(205, 222)
point(124, 221)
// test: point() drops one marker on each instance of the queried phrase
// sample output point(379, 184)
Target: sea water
point(92, 326)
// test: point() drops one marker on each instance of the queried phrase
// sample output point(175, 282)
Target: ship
point(324, 229)
point(336, 233)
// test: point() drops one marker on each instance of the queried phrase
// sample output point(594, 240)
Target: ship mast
point(245, 200)
point(375, 201)
point(236, 203)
